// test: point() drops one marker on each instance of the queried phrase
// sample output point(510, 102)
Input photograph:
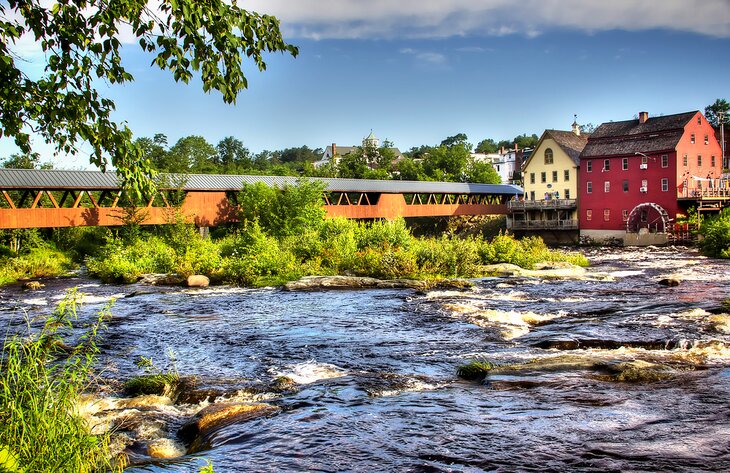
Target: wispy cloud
point(435, 18)
point(427, 58)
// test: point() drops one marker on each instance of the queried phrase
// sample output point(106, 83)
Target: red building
point(637, 175)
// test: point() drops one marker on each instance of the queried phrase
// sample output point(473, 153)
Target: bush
point(39, 390)
point(384, 233)
point(716, 236)
point(36, 263)
point(385, 264)
point(340, 244)
point(448, 256)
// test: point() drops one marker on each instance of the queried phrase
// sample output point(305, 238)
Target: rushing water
point(376, 370)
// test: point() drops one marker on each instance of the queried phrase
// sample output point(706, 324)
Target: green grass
point(37, 263)
point(39, 388)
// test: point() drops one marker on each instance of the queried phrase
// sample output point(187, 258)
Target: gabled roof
point(568, 141)
point(96, 180)
point(629, 137)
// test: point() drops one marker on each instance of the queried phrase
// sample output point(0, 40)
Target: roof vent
point(643, 117)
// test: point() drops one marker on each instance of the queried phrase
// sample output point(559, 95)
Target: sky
point(416, 72)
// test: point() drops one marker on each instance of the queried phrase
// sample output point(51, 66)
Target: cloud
point(384, 19)
point(427, 58)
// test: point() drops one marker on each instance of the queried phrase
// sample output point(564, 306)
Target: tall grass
point(40, 382)
point(36, 263)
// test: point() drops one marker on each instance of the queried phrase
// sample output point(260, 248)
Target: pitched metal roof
point(629, 137)
point(96, 180)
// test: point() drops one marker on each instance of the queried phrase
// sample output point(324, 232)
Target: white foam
point(311, 371)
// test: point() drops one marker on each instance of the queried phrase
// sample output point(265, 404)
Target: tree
point(481, 172)
point(232, 156)
point(524, 141)
point(447, 163)
point(25, 161)
point(713, 112)
point(153, 150)
point(459, 139)
point(192, 154)
point(81, 42)
point(487, 146)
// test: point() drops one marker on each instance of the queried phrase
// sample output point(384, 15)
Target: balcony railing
point(550, 204)
point(542, 224)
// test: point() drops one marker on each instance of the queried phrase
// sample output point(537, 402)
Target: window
point(625, 215)
point(606, 215)
point(589, 165)
point(692, 138)
point(555, 176)
point(566, 175)
point(543, 177)
point(644, 160)
point(589, 214)
point(684, 161)
point(625, 164)
point(699, 120)
point(589, 187)
point(532, 195)
point(644, 216)
point(606, 165)
point(644, 185)
point(626, 185)
point(665, 161)
point(606, 186)
point(665, 184)
point(548, 156)
point(567, 193)
point(712, 161)
point(699, 160)
point(532, 178)
point(707, 139)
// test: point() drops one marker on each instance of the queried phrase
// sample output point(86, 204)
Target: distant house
point(550, 176)
point(637, 175)
point(507, 163)
point(333, 153)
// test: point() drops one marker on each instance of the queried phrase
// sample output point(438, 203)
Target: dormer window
point(549, 156)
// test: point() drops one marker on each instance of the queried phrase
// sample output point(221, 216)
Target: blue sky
point(417, 72)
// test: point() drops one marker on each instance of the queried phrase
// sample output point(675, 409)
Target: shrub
point(448, 256)
point(36, 263)
point(385, 264)
point(340, 243)
point(716, 236)
point(384, 233)
point(39, 388)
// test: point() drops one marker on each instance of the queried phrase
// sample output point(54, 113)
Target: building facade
point(550, 181)
point(639, 175)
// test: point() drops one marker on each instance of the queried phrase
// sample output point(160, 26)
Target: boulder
point(219, 415)
point(162, 279)
point(33, 285)
point(670, 281)
point(165, 448)
point(198, 280)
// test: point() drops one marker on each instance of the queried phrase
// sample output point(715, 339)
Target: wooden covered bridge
point(58, 198)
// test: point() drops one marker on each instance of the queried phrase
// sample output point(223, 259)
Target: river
point(375, 370)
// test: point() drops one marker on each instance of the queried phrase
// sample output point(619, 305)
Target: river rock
point(198, 280)
point(165, 448)
point(219, 415)
point(162, 279)
point(33, 285)
point(637, 371)
point(670, 281)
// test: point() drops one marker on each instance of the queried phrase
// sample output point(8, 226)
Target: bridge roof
point(97, 180)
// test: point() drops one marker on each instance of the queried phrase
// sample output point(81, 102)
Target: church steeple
point(576, 127)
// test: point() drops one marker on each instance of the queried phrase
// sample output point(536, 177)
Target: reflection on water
point(593, 375)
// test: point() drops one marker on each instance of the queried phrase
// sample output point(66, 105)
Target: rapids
point(601, 374)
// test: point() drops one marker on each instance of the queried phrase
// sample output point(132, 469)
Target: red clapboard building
point(637, 175)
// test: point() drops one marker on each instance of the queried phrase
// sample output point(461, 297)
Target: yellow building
point(550, 177)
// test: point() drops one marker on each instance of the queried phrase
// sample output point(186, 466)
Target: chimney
point(334, 149)
point(643, 117)
point(501, 150)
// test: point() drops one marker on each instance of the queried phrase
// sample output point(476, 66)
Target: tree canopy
point(714, 111)
point(81, 43)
